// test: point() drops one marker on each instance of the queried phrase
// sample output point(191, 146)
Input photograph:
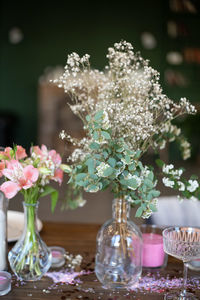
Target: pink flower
point(6, 152)
point(2, 167)
point(43, 152)
point(19, 178)
point(58, 176)
point(55, 157)
point(10, 189)
point(20, 153)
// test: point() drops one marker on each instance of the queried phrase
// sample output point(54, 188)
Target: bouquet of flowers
point(124, 113)
point(30, 175)
point(30, 258)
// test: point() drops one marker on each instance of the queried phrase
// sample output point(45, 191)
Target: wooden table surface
point(81, 239)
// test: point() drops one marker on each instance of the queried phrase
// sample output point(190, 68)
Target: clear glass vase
point(30, 258)
point(119, 249)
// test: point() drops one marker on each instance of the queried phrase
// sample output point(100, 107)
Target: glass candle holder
point(5, 283)
point(153, 253)
point(58, 256)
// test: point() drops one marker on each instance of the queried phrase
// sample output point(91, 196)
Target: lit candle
point(153, 253)
point(5, 283)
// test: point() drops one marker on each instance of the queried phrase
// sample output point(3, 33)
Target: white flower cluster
point(169, 169)
point(128, 92)
point(193, 185)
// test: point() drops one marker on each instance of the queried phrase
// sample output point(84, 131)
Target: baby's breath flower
point(167, 182)
point(193, 185)
point(167, 168)
point(181, 186)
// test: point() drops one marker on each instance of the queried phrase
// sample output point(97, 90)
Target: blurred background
point(36, 38)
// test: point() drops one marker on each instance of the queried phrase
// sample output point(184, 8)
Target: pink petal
point(55, 157)
point(31, 174)
point(7, 152)
point(20, 153)
point(58, 176)
point(11, 166)
point(10, 189)
point(36, 150)
point(8, 173)
point(44, 149)
point(27, 185)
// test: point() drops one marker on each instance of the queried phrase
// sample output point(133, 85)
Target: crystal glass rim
point(177, 228)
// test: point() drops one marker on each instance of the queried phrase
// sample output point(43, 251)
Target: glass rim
point(174, 228)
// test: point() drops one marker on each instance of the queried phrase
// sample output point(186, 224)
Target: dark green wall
point(51, 31)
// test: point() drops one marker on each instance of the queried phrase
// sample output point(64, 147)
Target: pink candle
point(153, 253)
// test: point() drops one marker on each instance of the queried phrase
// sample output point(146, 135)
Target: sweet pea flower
point(19, 178)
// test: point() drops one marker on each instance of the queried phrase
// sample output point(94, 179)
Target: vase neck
point(30, 214)
point(120, 210)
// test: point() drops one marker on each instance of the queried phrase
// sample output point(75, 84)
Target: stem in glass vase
point(185, 271)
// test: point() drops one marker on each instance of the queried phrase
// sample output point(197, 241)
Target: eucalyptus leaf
point(106, 135)
point(109, 171)
point(80, 176)
point(88, 118)
point(112, 162)
point(152, 207)
point(98, 115)
point(94, 146)
point(139, 212)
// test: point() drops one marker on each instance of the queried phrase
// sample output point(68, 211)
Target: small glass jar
point(153, 253)
point(3, 231)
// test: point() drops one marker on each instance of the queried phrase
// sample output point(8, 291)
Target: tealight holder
point(58, 256)
point(5, 283)
point(154, 256)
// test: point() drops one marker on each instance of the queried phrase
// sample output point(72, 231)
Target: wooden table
point(81, 239)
